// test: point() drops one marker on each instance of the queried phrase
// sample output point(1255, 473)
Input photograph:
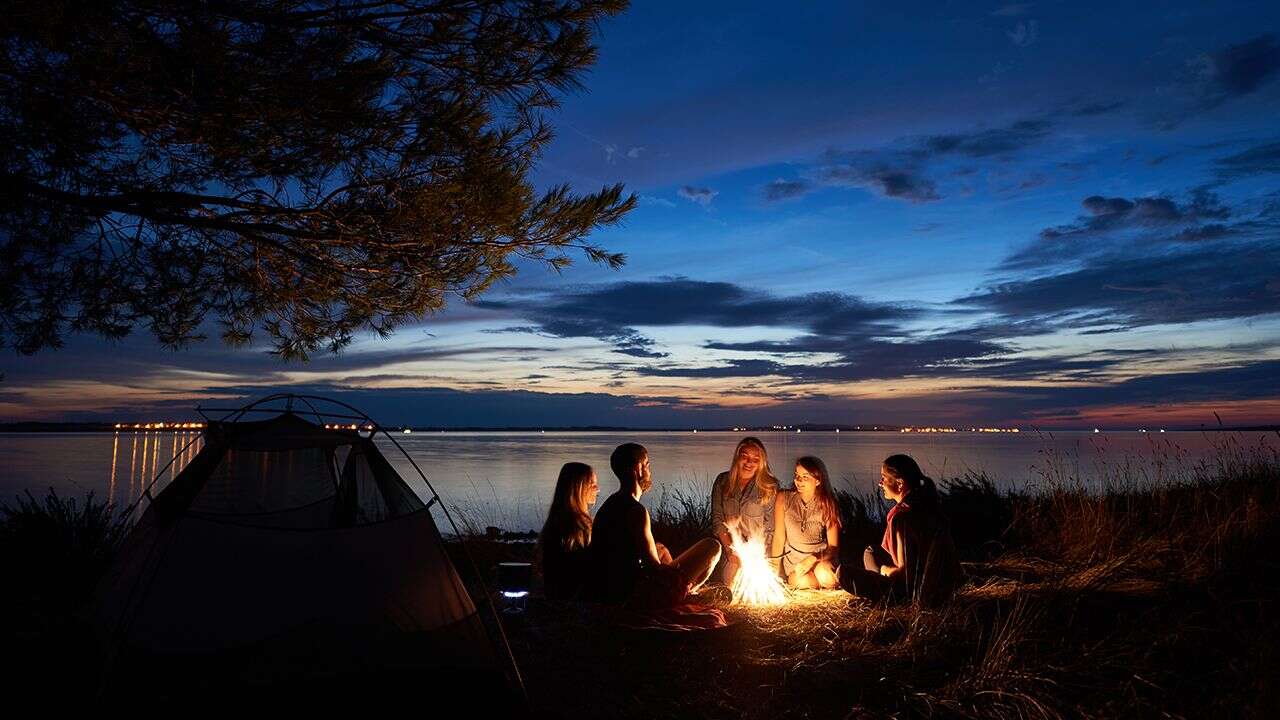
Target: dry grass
point(1139, 600)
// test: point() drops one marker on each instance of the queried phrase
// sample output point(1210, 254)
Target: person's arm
point(717, 512)
point(779, 530)
point(900, 544)
point(833, 544)
point(649, 548)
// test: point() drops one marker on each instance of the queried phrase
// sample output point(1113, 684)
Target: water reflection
point(155, 467)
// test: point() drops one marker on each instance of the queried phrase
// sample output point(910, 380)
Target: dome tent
point(290, 553)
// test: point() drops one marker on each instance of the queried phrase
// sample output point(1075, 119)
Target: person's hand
point(664, 555)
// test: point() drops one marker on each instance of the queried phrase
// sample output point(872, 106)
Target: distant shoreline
point(69, 427)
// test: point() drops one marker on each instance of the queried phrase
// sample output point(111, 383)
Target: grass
point(1139, 599)
point(53, 552)
point(1152, 596)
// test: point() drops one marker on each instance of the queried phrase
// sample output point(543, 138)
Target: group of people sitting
point(614, 558)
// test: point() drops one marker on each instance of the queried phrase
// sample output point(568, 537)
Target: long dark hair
point(906, 469)
point(825, 495)
point(568, 521)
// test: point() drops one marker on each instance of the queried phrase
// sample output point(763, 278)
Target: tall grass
point(1130, 598)
point(53, 551)
point(1152, 594)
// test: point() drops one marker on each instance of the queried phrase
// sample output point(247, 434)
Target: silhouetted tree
point(310, 169)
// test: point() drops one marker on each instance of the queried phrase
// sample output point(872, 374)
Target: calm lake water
point(505, 478)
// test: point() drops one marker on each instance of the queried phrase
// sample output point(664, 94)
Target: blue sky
point(1050, 214)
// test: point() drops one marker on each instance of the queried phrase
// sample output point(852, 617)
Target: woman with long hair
point(806, 528)
point(917, 558)
point(745, 493)
point(565, 536)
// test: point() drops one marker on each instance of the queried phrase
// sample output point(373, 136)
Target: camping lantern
point(514, 579)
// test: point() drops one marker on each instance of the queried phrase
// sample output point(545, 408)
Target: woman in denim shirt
point(745, 493)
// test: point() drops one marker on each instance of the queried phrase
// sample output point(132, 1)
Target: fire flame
point(757, 582)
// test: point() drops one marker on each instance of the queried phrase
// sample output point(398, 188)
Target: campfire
point(757, 582)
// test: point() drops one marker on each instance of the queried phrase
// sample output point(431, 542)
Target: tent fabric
point(282, 549)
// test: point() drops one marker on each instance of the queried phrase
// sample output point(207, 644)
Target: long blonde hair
point(568, 521)
point(765, 481)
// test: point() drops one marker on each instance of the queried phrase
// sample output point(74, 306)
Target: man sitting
point(627, 566)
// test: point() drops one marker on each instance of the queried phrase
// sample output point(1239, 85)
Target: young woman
point(806, 528)
point(917, 558)
point(562, 545)
point(746, 493)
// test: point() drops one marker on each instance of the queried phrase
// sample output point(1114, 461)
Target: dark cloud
point(864, 340)
point(1109, 221)
point(702, 196)
point(902, 182)
point(137, 361)
point(735, 368)
point(786, 189)
point(873, 359)
point(1252, 381)
point(986, 143)
point(1215, 231)
point(1201, 283)
point(1258, 160)
point(1237, 69)
point(612, 312)
point(904, 170)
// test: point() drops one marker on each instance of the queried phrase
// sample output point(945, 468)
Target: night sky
point(1038, 214)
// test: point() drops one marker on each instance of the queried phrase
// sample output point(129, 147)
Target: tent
point(290, 552)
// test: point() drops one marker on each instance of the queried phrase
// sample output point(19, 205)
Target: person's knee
point(712, 548)
point(826, 575)
point(802, 582)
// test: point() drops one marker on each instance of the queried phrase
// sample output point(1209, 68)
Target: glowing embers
point(757, 582)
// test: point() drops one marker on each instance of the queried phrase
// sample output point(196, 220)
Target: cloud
point(1025, 34)
point(861, 358)
point(612, 313)
point(735, 368)
point(1258, 160)
point(1236, 70)
point(1226, 385)
point(1214, 231)
point(1194, 282)
point(903, 170)
point(786, 189)
point(1005, 140)
point(658, 201)
point(903, 182)
point(1111, 220)
point(612, 152)
point(702, 196)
